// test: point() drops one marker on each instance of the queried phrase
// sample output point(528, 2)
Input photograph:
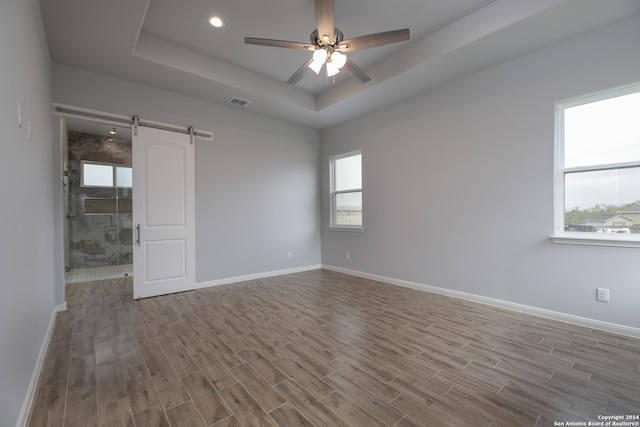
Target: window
point(124, 177)
point(97, 175)
point(346, 190)
point(106, 175)
point(598, 169)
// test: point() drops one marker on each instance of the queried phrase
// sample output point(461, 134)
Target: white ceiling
point(170, 45)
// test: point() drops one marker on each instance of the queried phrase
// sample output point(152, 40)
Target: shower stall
point(98, 201)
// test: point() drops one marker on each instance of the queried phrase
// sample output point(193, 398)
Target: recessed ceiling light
point(216, 21)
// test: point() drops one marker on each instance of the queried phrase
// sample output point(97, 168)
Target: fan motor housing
point(337, 38)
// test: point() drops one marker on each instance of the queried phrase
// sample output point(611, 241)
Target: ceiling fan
point(328, 45)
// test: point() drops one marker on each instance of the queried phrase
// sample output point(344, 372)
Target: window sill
point(359, 229)
point(592, 239)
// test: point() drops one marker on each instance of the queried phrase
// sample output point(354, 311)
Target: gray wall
point(458, 185)
point(257, 182)
point(28, 238)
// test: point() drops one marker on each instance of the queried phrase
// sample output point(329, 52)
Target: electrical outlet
point(289, 255)
point(347, 255)
point(602, 294)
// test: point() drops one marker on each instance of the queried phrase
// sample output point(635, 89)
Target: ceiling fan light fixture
point(319, 58)
point(339, 59)
point(335, 62)
point(332, 69)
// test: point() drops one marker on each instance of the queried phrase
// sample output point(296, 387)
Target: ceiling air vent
point(239, 101)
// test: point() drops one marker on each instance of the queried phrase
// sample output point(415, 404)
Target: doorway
point(99, 153)
point(98, 201)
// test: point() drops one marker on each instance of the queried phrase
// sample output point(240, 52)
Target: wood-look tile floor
point(322, 349)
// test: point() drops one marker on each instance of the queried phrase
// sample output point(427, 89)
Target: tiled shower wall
point(98, 240)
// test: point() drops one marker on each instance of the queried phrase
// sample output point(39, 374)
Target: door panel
point(166, 195)
point(164, 210)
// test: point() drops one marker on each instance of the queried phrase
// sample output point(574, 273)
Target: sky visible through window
point(97, 175)
point(599, 133)
point(102, 175)
point(349, 173)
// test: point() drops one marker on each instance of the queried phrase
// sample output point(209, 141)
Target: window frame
point(333, 193)
point(580, 238)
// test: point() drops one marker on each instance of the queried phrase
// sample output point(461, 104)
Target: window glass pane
point(97, 175)
point(603, 132)
point(349, 208)
point(603, 201)
point(348, 173)
point(124, 178)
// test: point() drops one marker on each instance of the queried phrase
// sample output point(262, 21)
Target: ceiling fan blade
point(279, 43)
point(302, 71)
point(325, 18)
point(373, 40)
point(354, 71)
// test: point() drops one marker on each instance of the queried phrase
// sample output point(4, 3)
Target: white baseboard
point(549, 314)
point(273, 273)
point(31, 391)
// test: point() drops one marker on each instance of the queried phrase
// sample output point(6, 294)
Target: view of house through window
point(346, 190)
point(599, 163)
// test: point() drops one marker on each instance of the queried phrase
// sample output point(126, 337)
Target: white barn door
point(163, 212)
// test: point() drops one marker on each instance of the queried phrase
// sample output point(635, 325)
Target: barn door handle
point(138, 230)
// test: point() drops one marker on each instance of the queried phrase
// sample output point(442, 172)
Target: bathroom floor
point(78, 275)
